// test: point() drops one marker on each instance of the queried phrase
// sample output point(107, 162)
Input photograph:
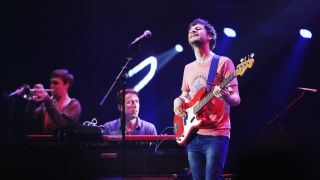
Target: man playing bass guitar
point(207, 150)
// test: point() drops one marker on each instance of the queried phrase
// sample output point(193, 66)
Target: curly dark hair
point(209, 28)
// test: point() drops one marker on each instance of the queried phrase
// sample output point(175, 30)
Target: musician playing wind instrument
point(52, 111)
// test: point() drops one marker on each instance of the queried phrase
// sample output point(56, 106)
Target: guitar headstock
point(245, 63)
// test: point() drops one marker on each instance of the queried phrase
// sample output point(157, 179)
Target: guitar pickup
point(192, 119)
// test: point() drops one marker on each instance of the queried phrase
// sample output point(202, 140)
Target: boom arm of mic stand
point(276, 117)
point(120, 75)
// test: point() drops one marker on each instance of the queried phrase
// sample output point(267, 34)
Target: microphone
point(307, 89)
point(147, 34)
point(25, 89)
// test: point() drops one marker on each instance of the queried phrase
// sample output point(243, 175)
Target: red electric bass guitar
point(185, 127)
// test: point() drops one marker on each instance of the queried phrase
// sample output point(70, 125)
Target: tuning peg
point(242, 59)
point(251, 55)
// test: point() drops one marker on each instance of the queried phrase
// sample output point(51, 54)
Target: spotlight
point(230, 32)
point(305, 33)
point(179, 48)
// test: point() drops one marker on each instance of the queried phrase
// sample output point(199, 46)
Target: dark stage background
point(90, 38)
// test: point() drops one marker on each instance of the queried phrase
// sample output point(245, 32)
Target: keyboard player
point(134, 124)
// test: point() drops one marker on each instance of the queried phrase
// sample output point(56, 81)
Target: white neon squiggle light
point(153, 67)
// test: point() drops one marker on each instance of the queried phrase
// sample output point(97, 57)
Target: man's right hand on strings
point(178, 107)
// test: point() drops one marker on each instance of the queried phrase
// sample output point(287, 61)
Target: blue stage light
point(305, 33)
point(230, 32)
point(179, 48)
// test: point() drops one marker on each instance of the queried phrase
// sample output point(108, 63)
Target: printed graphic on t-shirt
point(198, 82)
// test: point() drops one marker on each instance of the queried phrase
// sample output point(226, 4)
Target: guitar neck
point(227, 80)
point(210, 95)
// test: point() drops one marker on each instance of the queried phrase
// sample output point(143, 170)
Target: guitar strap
point(212, 71)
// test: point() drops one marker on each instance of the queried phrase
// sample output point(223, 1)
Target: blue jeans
point(206, 156)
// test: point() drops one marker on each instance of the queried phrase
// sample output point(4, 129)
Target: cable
point(94, 122)
point(158, 143)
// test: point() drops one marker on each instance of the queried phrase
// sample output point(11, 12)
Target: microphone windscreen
point(147, 33)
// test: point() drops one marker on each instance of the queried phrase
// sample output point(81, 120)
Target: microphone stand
point(276, 117)
point(122, 78)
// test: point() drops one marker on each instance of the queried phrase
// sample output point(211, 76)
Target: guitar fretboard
point(210, 95)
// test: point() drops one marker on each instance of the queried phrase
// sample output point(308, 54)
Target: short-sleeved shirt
point(215, 115)
point(143, 128)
